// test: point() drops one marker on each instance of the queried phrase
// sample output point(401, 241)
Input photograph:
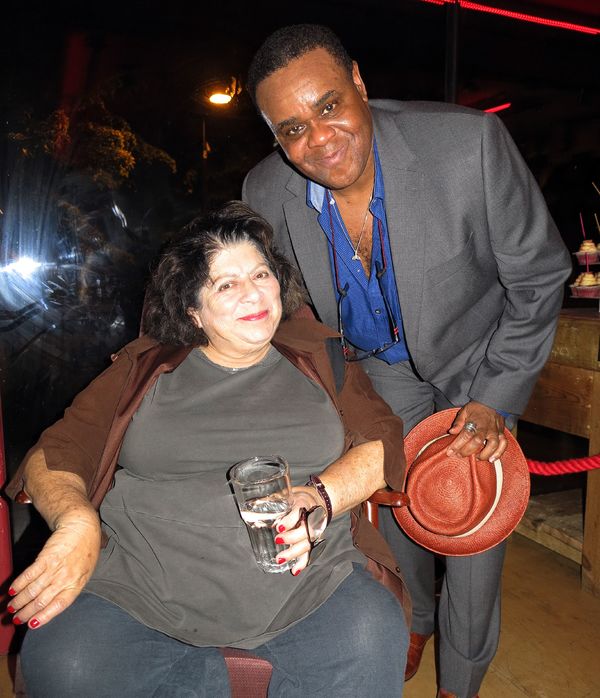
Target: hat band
point(499, 481)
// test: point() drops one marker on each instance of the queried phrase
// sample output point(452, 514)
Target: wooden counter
point(567, 398)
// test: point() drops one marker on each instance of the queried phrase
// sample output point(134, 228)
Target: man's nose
point(320, 134)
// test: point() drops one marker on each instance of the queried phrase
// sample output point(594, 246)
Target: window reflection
point(73, 260)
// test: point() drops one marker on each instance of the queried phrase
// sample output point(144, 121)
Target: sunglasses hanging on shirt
point(350, 353)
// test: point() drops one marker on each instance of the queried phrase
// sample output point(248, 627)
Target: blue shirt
point(367, 324)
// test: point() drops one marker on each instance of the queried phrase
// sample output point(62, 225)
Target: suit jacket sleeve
point(533, 265)
point(261, 190)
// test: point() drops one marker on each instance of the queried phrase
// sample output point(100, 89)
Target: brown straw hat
point(460, 506)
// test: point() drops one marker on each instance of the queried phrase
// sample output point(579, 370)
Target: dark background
point(101, 140)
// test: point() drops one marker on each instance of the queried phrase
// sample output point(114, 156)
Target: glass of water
point(262, 490)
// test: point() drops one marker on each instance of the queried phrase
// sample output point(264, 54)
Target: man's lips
point(255, 316)
point(331, 158)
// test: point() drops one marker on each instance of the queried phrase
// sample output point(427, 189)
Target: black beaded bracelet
point(315, 482)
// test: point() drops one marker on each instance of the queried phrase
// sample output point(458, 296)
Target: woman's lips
point(256, 316)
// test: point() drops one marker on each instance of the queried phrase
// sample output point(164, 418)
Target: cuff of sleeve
point(509, 419)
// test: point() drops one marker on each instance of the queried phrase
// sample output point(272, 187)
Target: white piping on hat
point(499, 482)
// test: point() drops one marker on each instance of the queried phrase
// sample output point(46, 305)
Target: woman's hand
point(292, 531)
point(60, 571)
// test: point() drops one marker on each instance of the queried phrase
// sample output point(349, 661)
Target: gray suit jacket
point(479, 263)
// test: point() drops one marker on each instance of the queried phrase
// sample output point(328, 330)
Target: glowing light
point(119, 214)
point(220, 98)
point(465, 4)
point(24, 267)
point(500, 107)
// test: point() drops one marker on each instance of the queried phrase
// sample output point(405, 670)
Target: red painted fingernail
point(10, 609)
point(16, 621)
point(33, 623)
point(12, 592)
point(279, 540)
point(281, 528)
point(280, 560)
point(296, 573)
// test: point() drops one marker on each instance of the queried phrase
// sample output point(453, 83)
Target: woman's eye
point(262, 275)
point(225, 287)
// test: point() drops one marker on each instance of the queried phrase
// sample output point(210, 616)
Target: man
point(422, 236)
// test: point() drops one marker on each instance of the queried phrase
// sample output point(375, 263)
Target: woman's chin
point(257, 337)
point(257, 344)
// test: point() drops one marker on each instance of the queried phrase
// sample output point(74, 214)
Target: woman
point(215, 380)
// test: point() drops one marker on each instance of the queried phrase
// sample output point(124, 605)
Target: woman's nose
point(251, 290)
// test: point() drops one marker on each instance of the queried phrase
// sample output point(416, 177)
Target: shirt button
point(377, 311)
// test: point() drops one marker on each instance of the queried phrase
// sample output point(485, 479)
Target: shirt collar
point(315, 193)
point(378, 187)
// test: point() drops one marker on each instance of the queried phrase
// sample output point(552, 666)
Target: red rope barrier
point(561, 467)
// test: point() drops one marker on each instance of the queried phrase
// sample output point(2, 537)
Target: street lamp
point(220, 98)
point(213, 94)
point(222, 94)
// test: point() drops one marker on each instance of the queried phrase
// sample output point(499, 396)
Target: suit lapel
point(404, 194)
point(310, 249)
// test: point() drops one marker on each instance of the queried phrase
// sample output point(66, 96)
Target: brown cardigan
point(87, 440)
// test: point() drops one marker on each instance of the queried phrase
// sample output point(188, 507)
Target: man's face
point(319, 115)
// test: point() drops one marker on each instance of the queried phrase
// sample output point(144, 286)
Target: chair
point(6, 627)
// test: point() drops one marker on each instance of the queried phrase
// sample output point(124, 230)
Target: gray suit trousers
point(469, 604)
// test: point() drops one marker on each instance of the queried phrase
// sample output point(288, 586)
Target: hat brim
point(507, 514)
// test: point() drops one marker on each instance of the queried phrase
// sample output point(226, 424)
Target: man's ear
point(358, 82)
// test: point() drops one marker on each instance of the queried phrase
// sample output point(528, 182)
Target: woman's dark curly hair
point(183, 269)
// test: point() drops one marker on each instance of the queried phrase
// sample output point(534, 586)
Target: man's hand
point(483, 435)
point(60, 571)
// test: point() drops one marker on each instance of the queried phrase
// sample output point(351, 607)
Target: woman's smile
point(255, 316)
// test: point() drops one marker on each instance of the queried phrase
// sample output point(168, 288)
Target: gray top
point(178, 557)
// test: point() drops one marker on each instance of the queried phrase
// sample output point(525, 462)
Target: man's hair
point(289, 43)
point(183, 269)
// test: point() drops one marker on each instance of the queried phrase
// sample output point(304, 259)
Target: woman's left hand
point(291, 530)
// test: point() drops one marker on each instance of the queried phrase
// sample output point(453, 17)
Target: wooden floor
point(550, 643)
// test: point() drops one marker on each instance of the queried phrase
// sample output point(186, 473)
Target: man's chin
point(333, 182)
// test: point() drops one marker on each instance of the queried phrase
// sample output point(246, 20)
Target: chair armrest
point(23, 498)
point(390, 498)
point(384, 497)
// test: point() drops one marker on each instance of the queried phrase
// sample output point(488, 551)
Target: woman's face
point(240, 306)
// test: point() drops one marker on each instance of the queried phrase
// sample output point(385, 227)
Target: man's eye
point(294, 130)
point(328, 108)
